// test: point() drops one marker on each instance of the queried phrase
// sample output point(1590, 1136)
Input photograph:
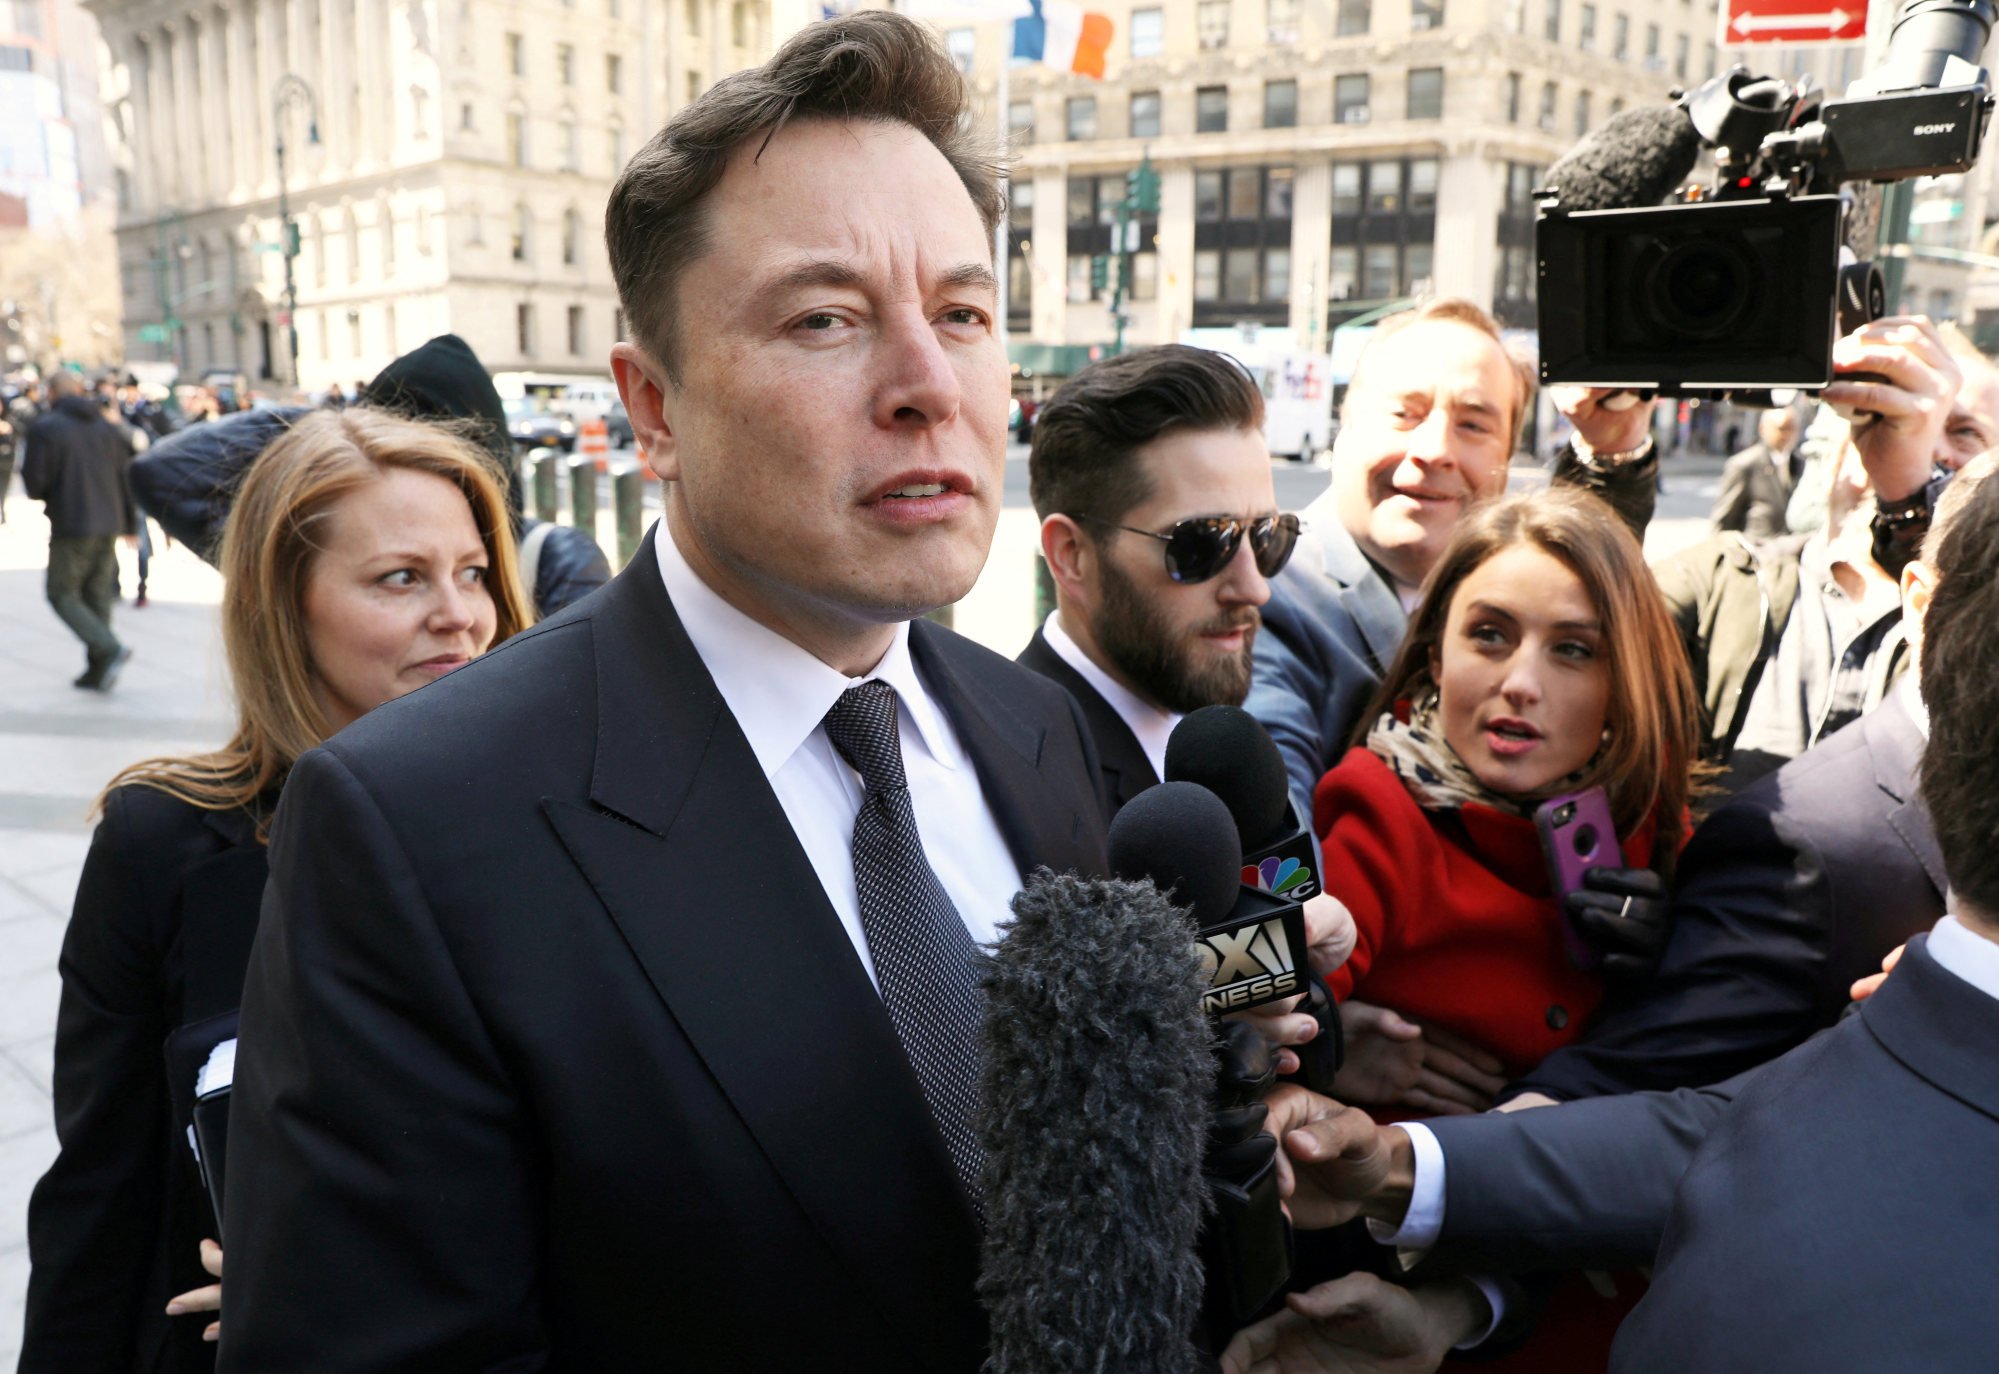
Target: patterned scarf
point(1411, 742)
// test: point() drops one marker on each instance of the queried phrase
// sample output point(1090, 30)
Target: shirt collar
point(1150, 725)
point(779, 692)
point(1912, 700)
point(1967, 954)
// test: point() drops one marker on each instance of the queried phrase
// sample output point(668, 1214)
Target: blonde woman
point(365, 556)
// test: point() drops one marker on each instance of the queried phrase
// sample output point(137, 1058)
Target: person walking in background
point(114, 415)
point(75, 465)
point(1756, 485)
point(365, 556)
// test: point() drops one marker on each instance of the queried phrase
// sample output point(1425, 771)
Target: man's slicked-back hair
point(1088, 435)
point(1959, 773)
point(876, 65)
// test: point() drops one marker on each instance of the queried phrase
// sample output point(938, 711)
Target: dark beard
point(1135, 636)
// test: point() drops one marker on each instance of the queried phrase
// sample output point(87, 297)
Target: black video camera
point(1740, 288)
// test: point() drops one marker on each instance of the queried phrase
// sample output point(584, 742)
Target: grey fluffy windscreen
point(1096, 1098)
point(1635, 159)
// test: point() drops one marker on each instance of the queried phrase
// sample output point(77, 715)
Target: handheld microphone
point(1227, 750)
point(1098, 1072)
point(1633, 160)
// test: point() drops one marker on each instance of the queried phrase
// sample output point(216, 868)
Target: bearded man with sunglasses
point(1159, 523)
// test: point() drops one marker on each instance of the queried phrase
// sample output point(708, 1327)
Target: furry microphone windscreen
point(1635, 159)
point(1099, 1070)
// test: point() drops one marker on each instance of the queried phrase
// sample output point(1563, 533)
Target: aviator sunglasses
point(1199, 548)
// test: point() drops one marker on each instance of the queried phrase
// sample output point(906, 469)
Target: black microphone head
point(1181, 837)
point(1634, 159)
point(1094, 1110)
point(1226, 750)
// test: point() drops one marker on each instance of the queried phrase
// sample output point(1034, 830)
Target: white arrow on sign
point(1832, 22)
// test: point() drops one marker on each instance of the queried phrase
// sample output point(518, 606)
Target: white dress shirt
point(780, 694)
point(1150, 725)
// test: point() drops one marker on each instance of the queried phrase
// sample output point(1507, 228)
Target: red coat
point(1455, 919)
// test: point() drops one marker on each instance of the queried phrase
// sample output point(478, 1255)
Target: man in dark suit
point(1160, 527)
point(611, 1003)
point(1756, 484)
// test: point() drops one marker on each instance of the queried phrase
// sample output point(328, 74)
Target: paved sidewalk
point(58, 746)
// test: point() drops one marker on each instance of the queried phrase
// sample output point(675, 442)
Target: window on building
point(517, 139)
point(575, 329)
point(1551, 24)
point(465, 124)
point(419, 112)
point(1380, 270)
point(1343, 273)
point(1350, 98)
point(1616, 106)
point(614, 73)
point(1148, 32)
point(1280, 104)
point(1145, 114)
point(964, 48)
point(1145, 276)
point(1426, 93)
point(353, 332)
point(1384, 186)
point(571, 150)
point(1582, 113)
point(1239, 275)
point(1020, 206)
point(1207, 197)
point(1207, 274)
point(524, 328)
point(391, 337)
point(1279, 184)
point(1276, 275)
point(1423, 186)
point(388, 230)
point(572, 234)
point(1211, 110)
point(1211, 20)
point(1516, 16)
point(1346, 188)
point(1280, 21)
point(1416, 269)
point(1245, 197)
point(518, 240)
point(1548, 107)
point(612, 8)
point(1651, 44)
point(1352, 18)
point(517, 58)
point(1082, 200)
point(1020, 123)
point(1513, 97)
point(1680, 56)
point(692, 11)
point(1426, 14)
point(565, 63)
point(1586, 35)
point(1082, 122)
point(739, 24)
point(1620, 36)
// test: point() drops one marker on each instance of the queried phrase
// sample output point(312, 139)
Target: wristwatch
point(1606, 462)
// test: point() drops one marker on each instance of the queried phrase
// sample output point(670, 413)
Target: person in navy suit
point(571, 1038)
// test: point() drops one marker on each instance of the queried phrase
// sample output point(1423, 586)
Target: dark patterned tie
point(922, 953)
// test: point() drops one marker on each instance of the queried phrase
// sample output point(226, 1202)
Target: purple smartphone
point(1577, 834)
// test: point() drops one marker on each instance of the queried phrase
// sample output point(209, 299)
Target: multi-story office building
point(446, 163)
point(1317, 160)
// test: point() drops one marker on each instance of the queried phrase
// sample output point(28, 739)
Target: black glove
point(1626, 914)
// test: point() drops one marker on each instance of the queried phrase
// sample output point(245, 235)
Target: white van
point(588, 398)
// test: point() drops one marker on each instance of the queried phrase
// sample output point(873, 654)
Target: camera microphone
point(1633, 160)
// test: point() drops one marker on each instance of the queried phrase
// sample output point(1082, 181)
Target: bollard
point(541, 479)
point(583, 494)
point(1044, 589)
point(628, 493)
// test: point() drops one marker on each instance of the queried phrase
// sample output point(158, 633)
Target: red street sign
point(1792, 21)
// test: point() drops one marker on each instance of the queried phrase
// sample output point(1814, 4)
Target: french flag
point(1063, 36)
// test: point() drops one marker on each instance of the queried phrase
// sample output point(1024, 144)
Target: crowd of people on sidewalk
point(578, 972)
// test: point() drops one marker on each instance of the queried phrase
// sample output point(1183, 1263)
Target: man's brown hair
point(875, 65)
point(1457, 310)
point(1959, 773)
point(1088, 434)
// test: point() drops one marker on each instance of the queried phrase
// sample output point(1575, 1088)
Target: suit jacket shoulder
point(1124, 768)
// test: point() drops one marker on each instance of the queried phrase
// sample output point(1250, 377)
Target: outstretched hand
point(1392, 1061)
point(1360, 1324)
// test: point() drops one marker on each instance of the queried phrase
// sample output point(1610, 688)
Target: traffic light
point(291, 240)
point(1141, 188)
point(1100, 273)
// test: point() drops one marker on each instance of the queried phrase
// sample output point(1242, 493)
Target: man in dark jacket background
point(75, 466)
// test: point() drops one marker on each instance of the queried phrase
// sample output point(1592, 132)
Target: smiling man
point(1160, 526)
point(613, 1006)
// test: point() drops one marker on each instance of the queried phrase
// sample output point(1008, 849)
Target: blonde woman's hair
point(268, 548)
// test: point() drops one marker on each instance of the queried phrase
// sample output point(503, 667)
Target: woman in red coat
point(1542, 661)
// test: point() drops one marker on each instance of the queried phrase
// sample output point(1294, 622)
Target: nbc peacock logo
point(1280, 877)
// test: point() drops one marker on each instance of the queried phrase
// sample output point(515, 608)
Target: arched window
point(520, 235)
point(572, 232)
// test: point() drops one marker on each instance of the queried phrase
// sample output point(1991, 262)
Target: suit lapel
point(698, 866)
point(1368, 598)
point(1126, 769)
point(1895, 745)
point(1042, 825)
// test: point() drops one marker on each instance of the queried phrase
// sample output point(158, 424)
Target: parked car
point(534, 426)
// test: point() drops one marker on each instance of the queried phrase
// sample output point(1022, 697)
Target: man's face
point(1182, 645)
point(1779, 429)
point(1425, 432)
point(836, 441)
point(1973, 426)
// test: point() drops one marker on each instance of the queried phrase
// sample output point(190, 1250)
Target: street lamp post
point(291, 90)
